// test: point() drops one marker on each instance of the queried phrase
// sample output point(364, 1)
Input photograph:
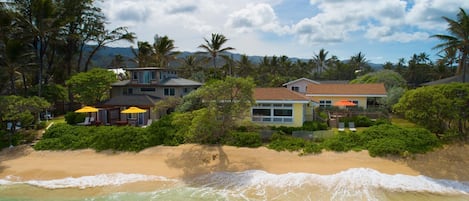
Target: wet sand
point(189, 160)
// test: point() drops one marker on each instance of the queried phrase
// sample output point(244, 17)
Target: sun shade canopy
point(87, 109)
point(133, 110)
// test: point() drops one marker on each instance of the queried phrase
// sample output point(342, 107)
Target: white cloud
point(255, 17)
point(427, 14)
point(259, 26)
point(386, 34)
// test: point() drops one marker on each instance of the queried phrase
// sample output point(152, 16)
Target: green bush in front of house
point(243, 139)
point(125, 138)
point(282, 142)
point(384, 139)
point(73, 118)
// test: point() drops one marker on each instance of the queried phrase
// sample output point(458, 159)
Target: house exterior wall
point(153, 91)
point(361, 100)
point(297, 117)
point(301, 84)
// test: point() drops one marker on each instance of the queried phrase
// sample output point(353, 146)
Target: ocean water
point(352, 184)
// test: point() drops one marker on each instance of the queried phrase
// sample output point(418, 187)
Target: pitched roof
point(456, 78)
point(278, 94)
point(179, 82)
point(375, 89)
point(131, 100)
point(300, 79)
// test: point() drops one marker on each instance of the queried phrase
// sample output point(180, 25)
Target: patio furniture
point(341, 127)
point(351, 126)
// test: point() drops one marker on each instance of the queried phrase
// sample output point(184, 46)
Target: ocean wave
point(356, 182)
point(86, 181)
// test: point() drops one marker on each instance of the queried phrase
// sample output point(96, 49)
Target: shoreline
point(190, 160)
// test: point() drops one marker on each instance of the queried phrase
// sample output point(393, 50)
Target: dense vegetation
point(441, 108)
point(379, 140)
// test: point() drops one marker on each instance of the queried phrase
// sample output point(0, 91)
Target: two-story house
point(143, 89)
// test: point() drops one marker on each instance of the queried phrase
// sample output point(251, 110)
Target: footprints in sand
point(209, 159)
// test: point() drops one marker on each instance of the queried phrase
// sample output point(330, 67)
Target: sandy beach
point(187, 161)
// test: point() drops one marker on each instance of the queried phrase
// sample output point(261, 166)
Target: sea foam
point(86, 181)
point(356, 180)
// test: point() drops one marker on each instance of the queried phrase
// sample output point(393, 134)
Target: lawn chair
point(86, 122)
point(149, 122)
point(341, 127)
point(351, 126)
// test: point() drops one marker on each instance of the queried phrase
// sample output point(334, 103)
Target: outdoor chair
point(351, 126)
point(86, 122)
point(149, 122)
point(341, 127)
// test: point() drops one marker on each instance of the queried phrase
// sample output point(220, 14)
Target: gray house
point(145, 87)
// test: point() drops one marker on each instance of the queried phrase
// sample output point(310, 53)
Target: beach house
point(362, 95)
point(143, 88)
point(280, 107)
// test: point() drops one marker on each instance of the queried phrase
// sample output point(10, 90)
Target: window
point(145, 77)
point(283, 112)
point(128, 91)
point(153, 75)
point(186, 90)
point(261, 112)
point(325, 103)
point(135, 75)
point(169, 91)
point(295, 88)
point(147, 89)
point(278, 113)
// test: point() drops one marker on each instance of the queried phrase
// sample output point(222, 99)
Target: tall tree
point(163, 48)
point(360, 64)
point(143, 54)
point(93, 86)
point(458, 39)
point(214, 46)
point(321, 61)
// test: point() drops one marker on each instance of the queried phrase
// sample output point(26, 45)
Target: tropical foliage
point(93, 86)
point(440, 108)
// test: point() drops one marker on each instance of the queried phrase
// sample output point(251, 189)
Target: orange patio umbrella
point(344, 103)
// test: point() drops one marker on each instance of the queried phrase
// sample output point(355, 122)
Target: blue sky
point(383, 30)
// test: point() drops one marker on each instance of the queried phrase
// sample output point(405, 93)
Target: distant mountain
point(105, 56)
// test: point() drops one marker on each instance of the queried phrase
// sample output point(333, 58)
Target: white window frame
point(272, 118)
point(325, 103)
point(169, 91)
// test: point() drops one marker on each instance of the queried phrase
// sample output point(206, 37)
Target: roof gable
point(301, 79)
point(374, 89)
point(278, 94)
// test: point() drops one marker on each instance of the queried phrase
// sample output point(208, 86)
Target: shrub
point(163, 132)
point(386, 146)
point(73, 118)
point(243, 139)
point(312, 148)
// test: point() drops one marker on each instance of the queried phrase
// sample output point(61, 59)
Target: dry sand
point(190, 160)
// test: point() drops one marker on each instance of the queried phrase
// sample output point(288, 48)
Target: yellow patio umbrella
point(133, 110)
point(87, 109)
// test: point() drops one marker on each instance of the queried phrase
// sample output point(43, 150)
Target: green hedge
point(125, 138)
point(243, 139)
point(307, 126)
point(73, 118)
point(282, 142)
point(385, 139)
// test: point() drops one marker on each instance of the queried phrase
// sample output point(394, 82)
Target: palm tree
point(163, 48)
point(143, 54)
point(321, 60)
point(214, 46)
point(457, 39)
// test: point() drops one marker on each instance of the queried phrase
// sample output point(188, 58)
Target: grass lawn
point(56, 120)
point(402, 122)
